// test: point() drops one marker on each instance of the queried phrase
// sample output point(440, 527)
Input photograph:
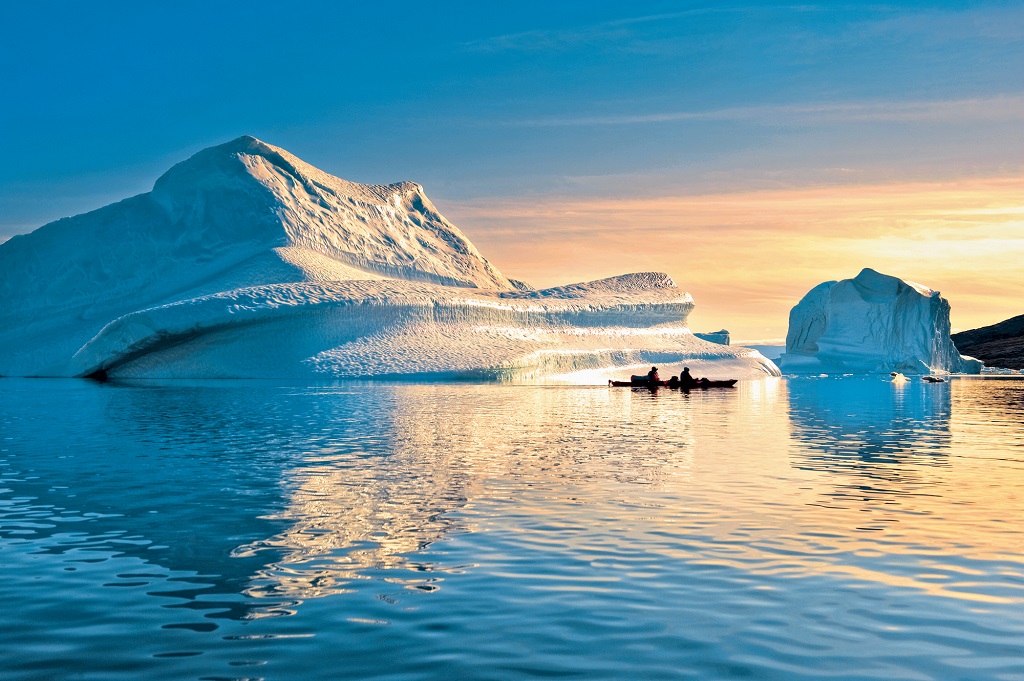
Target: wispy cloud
point(567, 38)
point(998, 108)
point(866, 23)
point(1002, 24)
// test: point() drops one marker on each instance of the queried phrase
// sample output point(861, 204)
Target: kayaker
point(685, 379)
point(652, 376)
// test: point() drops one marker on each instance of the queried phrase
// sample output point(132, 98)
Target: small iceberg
point(873, 323)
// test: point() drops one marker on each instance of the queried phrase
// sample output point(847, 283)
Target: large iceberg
point(246, 262)
point(873, 323)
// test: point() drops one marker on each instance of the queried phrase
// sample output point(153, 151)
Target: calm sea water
point(786, 529)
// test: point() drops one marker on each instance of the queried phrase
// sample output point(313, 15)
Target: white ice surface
point(348, 329)
point(246, 262)
point(873, 323)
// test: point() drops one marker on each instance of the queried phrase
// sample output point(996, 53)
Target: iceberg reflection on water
point(852, 422)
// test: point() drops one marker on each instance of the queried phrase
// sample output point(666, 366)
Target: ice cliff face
point(245, 261)
point(872, 323)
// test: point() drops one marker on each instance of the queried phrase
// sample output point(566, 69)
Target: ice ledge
point(377, 328)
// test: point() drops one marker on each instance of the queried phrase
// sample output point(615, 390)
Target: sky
point(750, 150)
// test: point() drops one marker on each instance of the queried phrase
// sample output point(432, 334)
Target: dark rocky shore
point(999, 345)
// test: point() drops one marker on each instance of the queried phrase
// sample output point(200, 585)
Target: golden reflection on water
point(860, 480)
point(352, 514)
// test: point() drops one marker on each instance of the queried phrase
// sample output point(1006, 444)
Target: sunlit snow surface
point(245, 262)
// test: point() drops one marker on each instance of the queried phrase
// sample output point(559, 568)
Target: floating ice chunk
point(720, 337)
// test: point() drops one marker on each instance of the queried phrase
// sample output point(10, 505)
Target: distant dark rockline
point(1000, 345)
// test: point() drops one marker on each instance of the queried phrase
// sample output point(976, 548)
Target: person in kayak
point(652, 376)
point(685, 379)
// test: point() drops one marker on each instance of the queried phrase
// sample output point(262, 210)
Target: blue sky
point(521, 101)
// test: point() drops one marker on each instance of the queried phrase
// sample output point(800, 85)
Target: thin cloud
point(1000, 24)
point(964, 209)
point(552, 39)
point(998, 108)
point(993, 24)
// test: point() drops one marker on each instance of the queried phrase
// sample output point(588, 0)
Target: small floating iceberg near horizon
point(246, 262)
point(873, 323)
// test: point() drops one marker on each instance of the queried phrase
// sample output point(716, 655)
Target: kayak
point(637, 384)
point(710, 384)
point(699, 385)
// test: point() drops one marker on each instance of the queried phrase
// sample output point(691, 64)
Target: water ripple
point(798, 529)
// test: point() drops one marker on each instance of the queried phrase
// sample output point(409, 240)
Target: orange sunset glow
point(748, 257)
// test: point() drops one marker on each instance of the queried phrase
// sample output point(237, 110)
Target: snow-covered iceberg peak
point(872, 323)
point(391, 229)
